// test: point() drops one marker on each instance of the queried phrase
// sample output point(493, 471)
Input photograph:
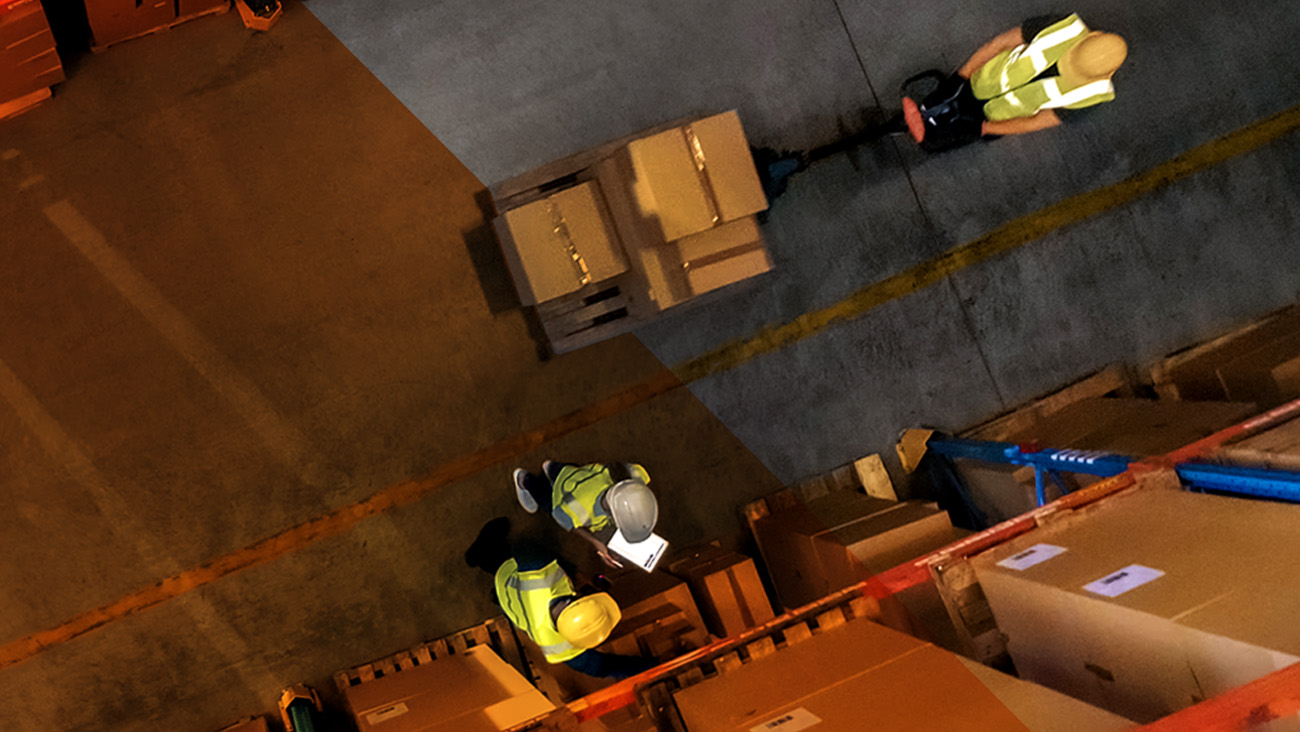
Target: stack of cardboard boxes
point(861, 676)
point(666, 217)
point(117, 20)
point(815, 548)
point(29, 65)
point(1151, 602)
point(1133, 427)
point(726, 589)
point(473, 691)
point(660, 620)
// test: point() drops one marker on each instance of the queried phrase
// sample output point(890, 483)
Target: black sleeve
point(1037, 24)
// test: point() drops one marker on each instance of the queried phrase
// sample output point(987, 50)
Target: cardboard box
point(840, 678)
point(474, 691)
point(558, 244)
point(692, 178)
point(1204, 598)
point(28, 60)
point(843, 538)
point(723, 255)
point(726, 589)
point(116, 20)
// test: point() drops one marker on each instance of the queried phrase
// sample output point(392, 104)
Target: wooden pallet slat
point(218, 10)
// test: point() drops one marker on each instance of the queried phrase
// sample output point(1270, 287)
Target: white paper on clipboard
point(644, 554)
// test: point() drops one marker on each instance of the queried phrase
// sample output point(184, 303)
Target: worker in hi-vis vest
point(592, 501)
point(538, 596)
point(1029, 78)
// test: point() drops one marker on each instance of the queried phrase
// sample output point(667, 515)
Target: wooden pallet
point(15, 107)
point(218, 10)
point(496, 633)
point(596, 312)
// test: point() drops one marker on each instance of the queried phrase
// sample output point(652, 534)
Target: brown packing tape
point(697, 155)
point(561, 230)
point(746, 615)
point(721, 256)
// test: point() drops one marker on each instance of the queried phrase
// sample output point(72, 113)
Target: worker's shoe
point(521, 492)
point(550, 470)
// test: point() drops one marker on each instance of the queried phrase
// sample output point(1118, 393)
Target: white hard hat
point(633, 508)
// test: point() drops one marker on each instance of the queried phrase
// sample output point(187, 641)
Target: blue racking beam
point(1263, 482)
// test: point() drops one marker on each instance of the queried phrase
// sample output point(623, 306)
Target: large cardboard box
point(474, 691)
point(1152, 601)
point(726, 588)
point(556, 245)
point(864, 676)
point(692, 178)
point(723, 255)
point(843, 538)
point(116, 20)
point(28, 60)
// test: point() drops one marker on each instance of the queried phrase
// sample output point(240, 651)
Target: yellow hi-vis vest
point(1006, 80)
point(526, 599)
point(577, 491)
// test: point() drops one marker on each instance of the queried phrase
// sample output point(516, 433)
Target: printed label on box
point(1117, 583)
point(791, 721)
point(645, 554)
point(387, 713)
point(1033, 555)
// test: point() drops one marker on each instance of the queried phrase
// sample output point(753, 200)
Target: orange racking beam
point(1233, 707)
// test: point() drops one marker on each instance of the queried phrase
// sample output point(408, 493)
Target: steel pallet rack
point(1270, 697)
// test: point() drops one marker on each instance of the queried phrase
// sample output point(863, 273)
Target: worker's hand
point(608, 558)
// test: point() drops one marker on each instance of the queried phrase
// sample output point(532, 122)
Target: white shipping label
point(387, 713)
point(1035, 554)
point(644, 554)
point(1117, 583)
point(791, 721)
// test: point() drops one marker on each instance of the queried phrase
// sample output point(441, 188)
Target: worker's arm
point(1009, 39)
point(601, 549)
point(1019, 126)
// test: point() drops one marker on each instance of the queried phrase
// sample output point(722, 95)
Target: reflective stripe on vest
point(1046, 94)
point(526, 599)
point(1018, 66)
point(576, 497)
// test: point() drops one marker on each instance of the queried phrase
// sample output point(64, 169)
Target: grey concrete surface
point(799, 72)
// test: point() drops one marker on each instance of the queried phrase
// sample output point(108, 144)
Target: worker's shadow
point(494, 277)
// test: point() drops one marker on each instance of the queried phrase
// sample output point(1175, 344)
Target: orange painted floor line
point(339, 521)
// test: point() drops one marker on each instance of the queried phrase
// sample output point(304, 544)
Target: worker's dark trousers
point(493, 548)
point(539, 486)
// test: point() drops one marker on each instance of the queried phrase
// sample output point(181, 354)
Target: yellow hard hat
point(587, 621)
point(1096, 57)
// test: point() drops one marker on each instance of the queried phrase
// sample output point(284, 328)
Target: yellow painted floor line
point(1004, 238)
point(337, 522)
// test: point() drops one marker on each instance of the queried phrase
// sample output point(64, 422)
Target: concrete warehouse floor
point(248, 287)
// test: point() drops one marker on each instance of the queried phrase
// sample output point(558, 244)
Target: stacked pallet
point(29, 64)
point(114, 21)
point(604, 240)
